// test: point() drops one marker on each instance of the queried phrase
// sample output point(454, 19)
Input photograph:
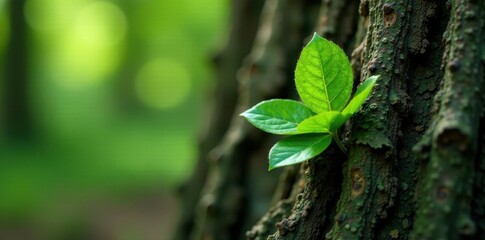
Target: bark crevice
point(452, 139)
point(412, 146)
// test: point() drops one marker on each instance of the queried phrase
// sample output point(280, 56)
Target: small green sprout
point(323, 78)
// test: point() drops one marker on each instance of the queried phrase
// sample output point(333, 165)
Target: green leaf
point(323, 76)
point(278, 116)
point(319, 123)
point(359, 98)
point(339, 121)
point(360, 95)
point(298, 148)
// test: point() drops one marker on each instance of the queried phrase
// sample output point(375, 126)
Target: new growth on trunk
point(415, 167)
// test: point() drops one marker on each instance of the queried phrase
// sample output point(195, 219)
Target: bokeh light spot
point(162, 84)
point(100, 23)
point(50, 15)
point(92, 48)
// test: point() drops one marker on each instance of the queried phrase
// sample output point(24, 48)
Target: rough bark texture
point(445, 204)
point(416, 161)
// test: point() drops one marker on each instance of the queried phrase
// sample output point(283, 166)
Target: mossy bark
point(415, 166)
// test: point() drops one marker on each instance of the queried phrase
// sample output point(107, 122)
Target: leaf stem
point(340, 145)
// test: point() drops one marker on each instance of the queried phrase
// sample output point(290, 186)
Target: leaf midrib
point(309, 147)
point(272, 117)
point(323, 78)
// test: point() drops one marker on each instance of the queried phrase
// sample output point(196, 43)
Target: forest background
point(100, 109)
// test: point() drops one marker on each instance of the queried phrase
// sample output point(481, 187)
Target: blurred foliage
point(116, 90)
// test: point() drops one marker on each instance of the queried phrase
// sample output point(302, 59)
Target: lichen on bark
point(370, 185)
point(412, 146)
point(446, 197)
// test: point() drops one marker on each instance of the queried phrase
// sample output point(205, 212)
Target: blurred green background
point(101, 102)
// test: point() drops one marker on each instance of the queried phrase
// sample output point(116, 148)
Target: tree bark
point(415, 167)
point(244, 21)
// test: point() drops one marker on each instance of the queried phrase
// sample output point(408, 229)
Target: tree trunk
point(16, 111)
point(416, 161)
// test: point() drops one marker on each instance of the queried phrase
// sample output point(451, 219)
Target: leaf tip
point(315, 37)
point(373, 79)
point(244, 114)
point(273, 166)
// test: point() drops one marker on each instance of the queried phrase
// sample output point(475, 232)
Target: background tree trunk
point(16, 107)
point(416, 161)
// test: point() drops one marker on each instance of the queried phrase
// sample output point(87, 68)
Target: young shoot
point(323, 78)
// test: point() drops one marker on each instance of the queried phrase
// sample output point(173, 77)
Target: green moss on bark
point(445, 204)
